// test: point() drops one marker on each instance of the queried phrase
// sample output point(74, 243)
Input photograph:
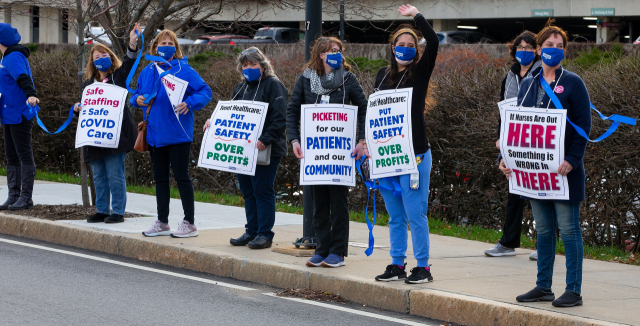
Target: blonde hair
point(254, 55)
point(90, 70)
point(161, 36)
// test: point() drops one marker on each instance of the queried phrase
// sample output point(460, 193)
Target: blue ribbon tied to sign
point(371, 185)
point(615, 118)
point(41, 124)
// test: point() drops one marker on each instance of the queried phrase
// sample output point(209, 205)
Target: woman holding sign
point(410, 69)
point(18, 100)
point(327, 79)
point(107, 164)
point(526, 60)
point(555, 88)
point(170, 127)
point(260, 83)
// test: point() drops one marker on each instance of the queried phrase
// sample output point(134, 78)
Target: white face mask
point(404, 63)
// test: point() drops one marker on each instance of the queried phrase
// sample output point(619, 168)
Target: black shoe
point(568, 299)
point(13, 186)
point(27, 177)
point(242, 240)
point(114, 218)
point(393, 273)
point(260, 242)
point(419, 275)
point(537, 294)
point(97, 218)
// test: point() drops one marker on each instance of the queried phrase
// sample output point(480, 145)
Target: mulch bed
point(312, 295)
point(61, 212)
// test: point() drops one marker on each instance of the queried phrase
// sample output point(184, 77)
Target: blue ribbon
point(135, 65)
point(158, 82)
point(64, 125)
point(371, 185)
point(615, 118)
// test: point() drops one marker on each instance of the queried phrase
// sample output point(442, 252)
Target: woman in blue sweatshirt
point(18, 107)
point(170, 128)
point(550, 215)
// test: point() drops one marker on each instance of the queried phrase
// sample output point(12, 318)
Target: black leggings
point(17, 143)
point(176, 157)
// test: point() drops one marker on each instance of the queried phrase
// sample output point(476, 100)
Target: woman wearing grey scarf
point(327, 79)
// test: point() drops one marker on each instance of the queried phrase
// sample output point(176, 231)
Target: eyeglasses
point(249, 51)
point(334, 51)
point(524, 48)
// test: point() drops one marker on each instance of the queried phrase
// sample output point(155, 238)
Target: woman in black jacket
point(260, 83)
point(409, 69)
point(107, 164)
point(327, 79)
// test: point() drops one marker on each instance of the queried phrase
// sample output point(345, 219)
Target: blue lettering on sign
point(97, 142)
point(232, 168)
point(398, 170)
point(542, 194)
point(335, 180)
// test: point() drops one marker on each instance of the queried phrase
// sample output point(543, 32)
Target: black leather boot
point(13, 185)
point(242, 240)
point(28, 174)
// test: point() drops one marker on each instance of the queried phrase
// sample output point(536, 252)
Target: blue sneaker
point(315, 261)
point(333, 261)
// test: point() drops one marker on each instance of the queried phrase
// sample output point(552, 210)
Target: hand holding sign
point(181, 108)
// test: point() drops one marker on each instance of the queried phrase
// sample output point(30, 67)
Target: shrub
point(596, 56)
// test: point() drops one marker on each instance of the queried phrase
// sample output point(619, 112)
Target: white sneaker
point(499, 251)
point(185, 230)
point(157, 229)
point(533, 255)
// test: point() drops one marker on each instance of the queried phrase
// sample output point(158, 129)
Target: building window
point(65, 26)
point(35, 25)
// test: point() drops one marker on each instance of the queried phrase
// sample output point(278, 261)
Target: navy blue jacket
point(574, 99)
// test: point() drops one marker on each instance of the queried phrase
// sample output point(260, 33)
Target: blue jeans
point(409, 209)
point(549, 216)
point(108, 176)
point(260, 199)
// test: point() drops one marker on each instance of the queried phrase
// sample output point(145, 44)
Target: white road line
point(115, 262)
point(353, 311)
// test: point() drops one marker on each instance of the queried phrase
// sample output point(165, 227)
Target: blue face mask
point(525, 57)
point(334, 60)
point(166, 52)
point(552, 56)
point(251, 74)
point(404, 55)
point(103, 64)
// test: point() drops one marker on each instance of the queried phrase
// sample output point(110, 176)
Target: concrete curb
point(456, 308)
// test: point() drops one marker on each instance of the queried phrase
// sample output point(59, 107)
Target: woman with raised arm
point(550, 215)
point(107, 164)
point(410, 69)
point(170, 128)
point(327, 79)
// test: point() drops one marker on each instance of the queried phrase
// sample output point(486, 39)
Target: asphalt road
point(44, 287)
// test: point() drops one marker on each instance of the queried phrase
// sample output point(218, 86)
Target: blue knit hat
point(8, 35)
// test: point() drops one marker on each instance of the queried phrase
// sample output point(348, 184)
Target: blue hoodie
point(163, 128)
point(13, 102)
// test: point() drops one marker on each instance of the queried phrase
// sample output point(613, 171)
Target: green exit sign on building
point(603, 11)
point(542, 13)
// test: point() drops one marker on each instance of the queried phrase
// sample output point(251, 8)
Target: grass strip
point(436, 225)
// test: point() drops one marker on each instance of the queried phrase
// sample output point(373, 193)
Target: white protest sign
point(532, 146)
point(230, 142)
point(101, 115)
point(388, 133)
point(175, 88)
point(328, 134)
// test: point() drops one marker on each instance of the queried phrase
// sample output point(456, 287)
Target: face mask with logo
point(251, 74)
point(552, 56)
point(525, 57)
point(404, 55)
point(334, 60)
point(103, 64)
point(166, 52)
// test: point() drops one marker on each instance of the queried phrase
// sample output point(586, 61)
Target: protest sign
point(532, 146)
point(230, 142)
point(388, 133)
point(101, 115)
point(175, 88)
point(328, 135)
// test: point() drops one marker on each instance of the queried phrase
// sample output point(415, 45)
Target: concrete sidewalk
point(468, 287)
